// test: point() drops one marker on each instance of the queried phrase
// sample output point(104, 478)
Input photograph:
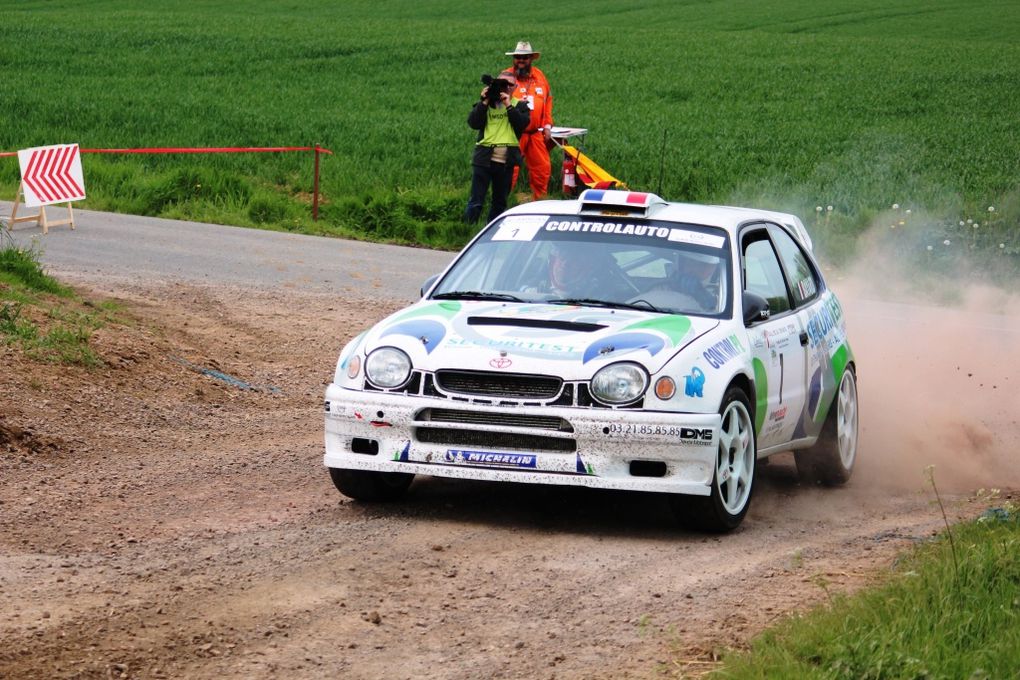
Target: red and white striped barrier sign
point(51, 174)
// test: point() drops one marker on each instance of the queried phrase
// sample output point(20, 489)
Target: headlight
point(387, 367)
point(619, 383)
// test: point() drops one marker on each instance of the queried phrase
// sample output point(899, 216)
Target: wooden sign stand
point(40, 217)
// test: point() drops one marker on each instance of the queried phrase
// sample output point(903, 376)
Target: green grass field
point(857, 105)
point(950, 610)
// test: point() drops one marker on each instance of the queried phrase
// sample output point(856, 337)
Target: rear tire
point(733, 481)
point(370, 486)
point(831, 460)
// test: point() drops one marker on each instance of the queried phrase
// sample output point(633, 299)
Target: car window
point(801, 275)
point(762, 273)
point(662, 266)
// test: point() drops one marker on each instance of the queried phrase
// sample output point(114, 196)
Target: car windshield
point(601, 261)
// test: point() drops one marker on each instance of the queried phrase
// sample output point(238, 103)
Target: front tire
point(370, 486)
point(733, 481)
point(831, 460)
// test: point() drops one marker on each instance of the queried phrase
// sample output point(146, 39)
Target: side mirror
point(429, 282)
point(756, 308)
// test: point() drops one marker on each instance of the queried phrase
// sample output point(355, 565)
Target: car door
point(808, 296)
point(777, 345)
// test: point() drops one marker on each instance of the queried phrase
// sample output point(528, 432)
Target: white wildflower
point(895, 206)
point(946, 242)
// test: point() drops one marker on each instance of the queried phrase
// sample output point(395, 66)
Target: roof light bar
point(633, 201)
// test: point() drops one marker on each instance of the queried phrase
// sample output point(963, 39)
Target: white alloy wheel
point(831, 460)
point(733, 480)
point(846, 419)
point(734, 472)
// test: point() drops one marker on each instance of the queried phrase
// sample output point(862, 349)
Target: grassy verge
point(42, 317)
point(951, 610)
point(777, 103)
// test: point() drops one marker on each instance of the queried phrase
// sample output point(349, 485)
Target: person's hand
point(547, 132)
point(505, 97)
point(485, 92)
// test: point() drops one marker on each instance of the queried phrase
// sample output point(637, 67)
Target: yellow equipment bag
point(590, 173)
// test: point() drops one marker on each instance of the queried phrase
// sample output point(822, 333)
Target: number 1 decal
point(781, 376)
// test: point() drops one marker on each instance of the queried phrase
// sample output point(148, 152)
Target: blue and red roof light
point(624, 198)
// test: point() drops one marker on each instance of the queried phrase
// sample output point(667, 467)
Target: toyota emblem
point(501, 362)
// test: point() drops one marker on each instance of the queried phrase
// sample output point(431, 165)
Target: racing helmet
point(572, 266)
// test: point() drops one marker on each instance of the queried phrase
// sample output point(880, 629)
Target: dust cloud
point(939, 375)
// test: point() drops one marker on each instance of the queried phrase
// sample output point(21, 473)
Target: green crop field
point(855, 105)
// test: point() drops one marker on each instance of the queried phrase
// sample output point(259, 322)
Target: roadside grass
point(776, 103)
point(44, 318)
point(951, 609)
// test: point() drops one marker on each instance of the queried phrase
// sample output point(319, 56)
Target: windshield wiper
point(475, 295)
point(592, 302)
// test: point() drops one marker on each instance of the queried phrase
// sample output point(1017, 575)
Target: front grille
point(509, 389)
point(502, 441)
point(504, 419)
point(499, 385)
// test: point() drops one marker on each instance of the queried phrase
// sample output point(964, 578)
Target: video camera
point(497, 86)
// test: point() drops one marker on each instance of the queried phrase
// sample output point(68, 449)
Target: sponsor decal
point(624, 343)
point(584, 468)
point(828, 317)
point(403, 455)
point(673, 326)
point(778, 414)
point(721, 352)
point(688, 435)
point(778, 338)
point(694, 384)
point(429, 332)
point(696, 237)
point(697, 436)
point(519, 228)
point(806, 288)
point(608, 228)
point(446, 309)
point(517, 345)
point(486, 459)
point(500, 362)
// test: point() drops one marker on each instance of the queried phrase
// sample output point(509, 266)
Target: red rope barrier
point(200, 149)
point(223, 149)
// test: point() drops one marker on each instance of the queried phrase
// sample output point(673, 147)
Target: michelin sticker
point(484, 458)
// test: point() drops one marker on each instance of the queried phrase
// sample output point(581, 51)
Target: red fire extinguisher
point(569, 175)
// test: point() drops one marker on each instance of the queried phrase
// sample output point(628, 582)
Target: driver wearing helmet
point(583, 270)
point(697, 276)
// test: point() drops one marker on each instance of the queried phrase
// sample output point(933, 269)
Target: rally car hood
point(567, 341)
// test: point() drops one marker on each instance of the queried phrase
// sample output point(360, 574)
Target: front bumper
point(602, 448)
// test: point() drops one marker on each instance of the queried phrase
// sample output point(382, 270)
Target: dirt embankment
point(157, 520)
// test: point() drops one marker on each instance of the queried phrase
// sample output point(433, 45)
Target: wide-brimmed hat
point(524, 47)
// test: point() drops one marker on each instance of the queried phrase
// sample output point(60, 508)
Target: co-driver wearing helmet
point(696, 276)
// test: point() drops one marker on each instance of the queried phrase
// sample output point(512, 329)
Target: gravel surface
point(159, 522)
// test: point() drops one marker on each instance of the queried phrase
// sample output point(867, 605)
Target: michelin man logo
point(694, 383)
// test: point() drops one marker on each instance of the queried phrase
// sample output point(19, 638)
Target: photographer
point(500, 119)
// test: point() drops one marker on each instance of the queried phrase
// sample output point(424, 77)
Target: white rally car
point(617, 341)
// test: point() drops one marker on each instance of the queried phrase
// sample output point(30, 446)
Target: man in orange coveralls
point(533, 88)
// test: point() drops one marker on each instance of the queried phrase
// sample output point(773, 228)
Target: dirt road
point(159, 522)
